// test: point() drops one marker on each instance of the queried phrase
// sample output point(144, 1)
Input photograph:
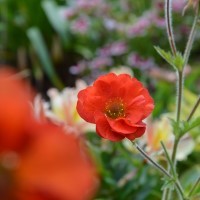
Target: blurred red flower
point(38, 160)
point(117, 105)
point(54, 166)
point(15, 113)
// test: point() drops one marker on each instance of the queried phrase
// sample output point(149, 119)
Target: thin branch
point(194, 109)
point(194, 187)
point(161, 169)
point(169, 26)
point(191, 37)
point(155, 164)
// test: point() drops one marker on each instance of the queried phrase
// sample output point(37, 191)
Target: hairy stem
point(175, 150)
point(168, 19)
point(180, 191)
point(178, 111)
point(155, 164)
point(179, 94)
point(191, 38)
point(168, 159)
point(194, 187)
point(194, 109)
point(161, 169)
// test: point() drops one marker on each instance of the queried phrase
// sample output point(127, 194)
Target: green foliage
point(187, 126)
point(189, 178)
point(52, 12)
point(176, 127)
point(34, 24)
point(176, 62)
point(40, 48)
point(182, 127)
point(168, 184)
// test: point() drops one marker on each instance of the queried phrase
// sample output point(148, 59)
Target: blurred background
point(54, 43)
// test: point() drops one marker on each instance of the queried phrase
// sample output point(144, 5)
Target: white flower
point(122, 70)
point(161, 130)
point(61, 109)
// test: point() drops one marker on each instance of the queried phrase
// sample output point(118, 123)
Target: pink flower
point(79, 68)
point(114, 49)
point(87, 4)
point(80, 25)
point(178, 5)
point(100, 62)
point(68, 13)
point(139, 27)
point(135, 60)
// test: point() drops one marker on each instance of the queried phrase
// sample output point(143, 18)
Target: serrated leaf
point(187, 126)
point(176, 62)
point(175, 126)
point(168, 184)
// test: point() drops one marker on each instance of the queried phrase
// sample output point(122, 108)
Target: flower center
point(115, 108)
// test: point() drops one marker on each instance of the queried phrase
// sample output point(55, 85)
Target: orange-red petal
point(135, 105)
point(54, 165)
point(140, 131)
point(104, 130)
point(15, 111)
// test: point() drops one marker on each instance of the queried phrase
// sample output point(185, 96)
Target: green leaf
point(183, 127)
point(190, 177)
point(175, 126)
point(59, 24)
point(176, 62)
point(84, 51)
point(187, 126)
point(169, 183)
point(40, 48)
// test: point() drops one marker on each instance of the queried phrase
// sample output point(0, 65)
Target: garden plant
point(115, 109)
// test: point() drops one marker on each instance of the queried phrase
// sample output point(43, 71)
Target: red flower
point(54, 166)
point(117, 105)
point(15, 112)
point(38, 161)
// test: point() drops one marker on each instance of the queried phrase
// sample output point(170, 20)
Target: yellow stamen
point(114, 108)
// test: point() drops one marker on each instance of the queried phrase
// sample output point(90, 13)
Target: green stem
point(166, 191)
point(169, 26)
point(168, 159)
point(179, 94)
point(155, 164)
point(194, 109)
point(180, 191)
point(175, 149)
point(165, 194)
point(194, 187)
point(191, 38)
point(161, 169)
point(178, 111)
point(180, 82)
